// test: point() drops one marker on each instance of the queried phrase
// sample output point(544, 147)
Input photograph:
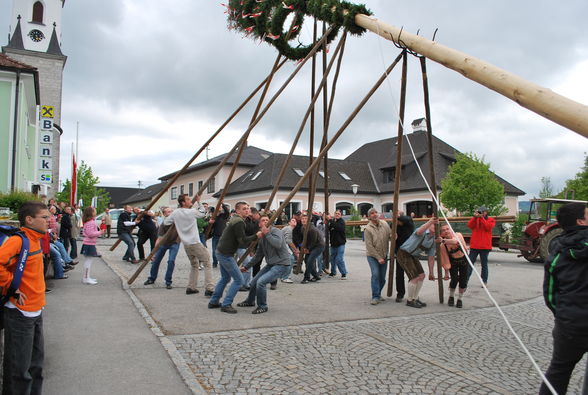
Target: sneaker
point(244, 289)
point(190, 291)
point(332, 274)
point(48, 291)
point(273, 286)
point(213, 305)
point(245, 304)
point(208, 293)
point(398, 299)
point(421, 304)
point(375, 301)
point(381, 299)
point(149, 282)
point(413, 303)
point(168, 286)
point(459, 304)
point(200, 267)
point(304, 281)
point(451, 301)
point(228, 309)
point(89, 281)
point(287, 281)
point(326, 271)
point(344, 277)
point(134, 261)
point(260, 310)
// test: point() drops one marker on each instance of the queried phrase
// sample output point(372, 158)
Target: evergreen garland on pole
point(264, 20)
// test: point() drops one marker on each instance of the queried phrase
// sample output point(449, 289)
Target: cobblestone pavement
point(317, 346)
point(460, 352)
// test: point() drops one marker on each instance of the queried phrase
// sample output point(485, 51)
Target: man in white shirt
point(185, 220)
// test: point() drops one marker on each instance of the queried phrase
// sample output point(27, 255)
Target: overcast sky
point(149, 83)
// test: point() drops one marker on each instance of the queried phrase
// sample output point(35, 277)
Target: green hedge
point(14, 200)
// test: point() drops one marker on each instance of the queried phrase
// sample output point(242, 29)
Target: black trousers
point(400, 290)
point(568, 350)
point(23, 353)
point(143, 237)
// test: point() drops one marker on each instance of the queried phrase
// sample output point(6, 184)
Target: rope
point(433, 196)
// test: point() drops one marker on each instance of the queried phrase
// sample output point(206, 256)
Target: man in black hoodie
point(404, 229)
point(565, 289)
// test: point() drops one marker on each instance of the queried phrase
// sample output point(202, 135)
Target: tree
point(546, 188)
point(470, 184)
point(86, 186)
point(578, 184)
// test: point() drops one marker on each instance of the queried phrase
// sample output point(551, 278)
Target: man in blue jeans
point(272, 246)
point(481, 240)
point(377, 244)
point(338, 240)
point(232, 238)
point(173, 249)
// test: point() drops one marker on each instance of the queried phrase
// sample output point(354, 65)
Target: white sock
point(451, 293)
point(418, 289)
point(87, 266)
point(411, 290)
point(459, 296)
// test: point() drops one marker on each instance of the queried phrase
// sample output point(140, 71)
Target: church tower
point(35, 40)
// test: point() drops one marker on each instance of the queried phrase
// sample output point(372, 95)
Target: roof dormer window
point(38, 10)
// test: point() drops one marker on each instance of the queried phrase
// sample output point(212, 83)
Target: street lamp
point(354, 188)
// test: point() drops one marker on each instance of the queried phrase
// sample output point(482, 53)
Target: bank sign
point(46, 146)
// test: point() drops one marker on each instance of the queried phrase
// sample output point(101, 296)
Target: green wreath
point(264, 20)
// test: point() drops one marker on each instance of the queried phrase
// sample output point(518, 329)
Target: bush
point(353, 231)
point(14, 200)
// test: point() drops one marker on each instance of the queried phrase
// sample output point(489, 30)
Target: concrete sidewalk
point(97, 342)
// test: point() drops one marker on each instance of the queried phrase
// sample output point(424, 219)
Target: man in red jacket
point(481, 241)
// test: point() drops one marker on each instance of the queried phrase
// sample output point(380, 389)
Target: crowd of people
point(246, 234)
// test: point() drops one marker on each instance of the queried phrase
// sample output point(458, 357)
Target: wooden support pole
point(326, 252)
point(398, 173)
point(543, 101)
point(204, 146)
point(432, 180)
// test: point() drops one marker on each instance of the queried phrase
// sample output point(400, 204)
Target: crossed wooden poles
point(543, 101)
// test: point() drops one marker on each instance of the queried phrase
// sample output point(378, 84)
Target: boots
point(86, 279)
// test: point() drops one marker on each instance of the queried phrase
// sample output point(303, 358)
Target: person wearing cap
point(481, 240)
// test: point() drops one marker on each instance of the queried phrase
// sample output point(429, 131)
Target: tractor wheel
point(546, 241)
point(527, 254)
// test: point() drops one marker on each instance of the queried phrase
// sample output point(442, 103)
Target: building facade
point(35, 40)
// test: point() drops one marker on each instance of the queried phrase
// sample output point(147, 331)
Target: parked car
point(114, 214)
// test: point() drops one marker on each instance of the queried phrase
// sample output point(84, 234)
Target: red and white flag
point(74, 181)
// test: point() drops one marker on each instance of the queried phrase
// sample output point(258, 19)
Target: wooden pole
point(204, 146)
point(326, 252)
point(433, 181)
point(398, 173)
point(543, 101)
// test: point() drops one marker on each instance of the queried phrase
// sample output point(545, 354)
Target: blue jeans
point(378, 276)
point(247, 274)
point(128, 240)
point(57, 261)
point(310, 261)
point(73, 253)
point(483, 260)
point(228, 270)
point(266, 275)
point(289, 267)
point(337, 261)
point(215, 240)
point(23, 353)
point(64, 255)
point(171, 262)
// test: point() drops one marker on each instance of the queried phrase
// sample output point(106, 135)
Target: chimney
point(419, 125)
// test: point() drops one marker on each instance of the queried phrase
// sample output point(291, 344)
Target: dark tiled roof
point(54, 47)
point(358, 172)
point(16, 39)
point(8, 62)
point(145, 194)
point(119, 194)
point(382, 155)
point(251, 156)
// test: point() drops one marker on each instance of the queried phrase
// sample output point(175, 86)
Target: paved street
point(326, 338)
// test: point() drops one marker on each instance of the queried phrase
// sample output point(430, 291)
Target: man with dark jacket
point(147, 231)
point(124, 227)
point(218, 224)
point(338, 240)
point(313, 249)
point(404, 229)
point(565, 289)
point(65, 233)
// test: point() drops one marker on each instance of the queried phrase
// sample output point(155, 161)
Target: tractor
point(540, 229)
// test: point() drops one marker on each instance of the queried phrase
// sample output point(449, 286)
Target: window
point(200, 184)
point(388, 175)
point(191, 189)
point(210, 187)
point(256, 175)
point(174, 193)
point(181, 189)
point(345, 176)
point(299, 172)
point(38, 12)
